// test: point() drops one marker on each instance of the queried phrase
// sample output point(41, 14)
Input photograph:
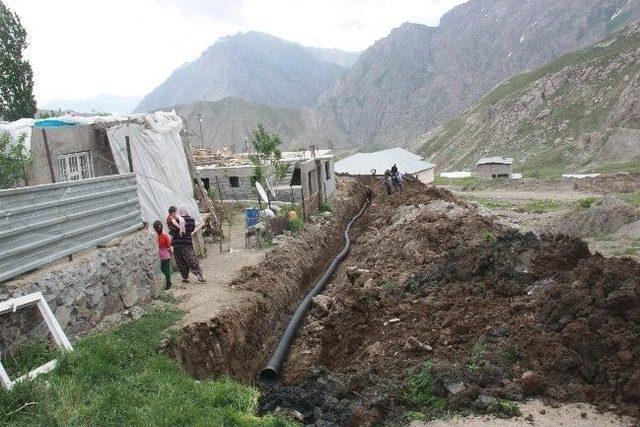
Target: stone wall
point(99, 287)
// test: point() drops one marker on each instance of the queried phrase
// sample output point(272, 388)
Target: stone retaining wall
point(99, 287)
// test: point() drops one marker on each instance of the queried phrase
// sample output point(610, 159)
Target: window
point(327, 171)
point(205, 182)
point(234, 181)
point(295, 178)
point(75, 166)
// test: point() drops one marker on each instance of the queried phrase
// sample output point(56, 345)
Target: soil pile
point(606, 217)
point(237, 341)
point(438, 308)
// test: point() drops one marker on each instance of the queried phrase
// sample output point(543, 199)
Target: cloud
point(81, 48)
point(220, 10)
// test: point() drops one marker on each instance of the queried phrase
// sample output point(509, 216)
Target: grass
point(587, 202)
point(630, 167)
point(489, 236)
point(541, 206)
point(30, 356)
point(324, 207)
point(121, 377)
point(478, 354)
point(495, 203)
point(505, 408)
point(633, 198)
point(462, 182)
point(419, 389)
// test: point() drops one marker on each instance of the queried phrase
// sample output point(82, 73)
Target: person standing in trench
point(183, 251)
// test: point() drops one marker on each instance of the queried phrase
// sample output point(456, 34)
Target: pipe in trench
point(269, 375)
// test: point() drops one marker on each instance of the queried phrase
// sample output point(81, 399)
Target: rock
point(394, 320)
point(455, 388)
point(484, 401)
point(529, 418)
point(136, 312)
point(129, 294)
point(63, 315)
point(542, 411)
point(413, 344)
point(322, 303)
point(369, 285)
point(111, 243)
point(532, 383)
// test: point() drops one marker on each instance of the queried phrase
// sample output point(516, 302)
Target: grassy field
point(121, 377)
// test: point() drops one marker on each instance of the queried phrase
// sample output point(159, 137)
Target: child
point(164, 251)
point(176, 222)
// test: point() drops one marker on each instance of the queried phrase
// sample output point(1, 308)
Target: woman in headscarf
point(183, 252)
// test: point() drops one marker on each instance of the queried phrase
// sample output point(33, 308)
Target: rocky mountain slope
point(254, 66)
point(228, 122)
point(578, 113)
point(419, 76)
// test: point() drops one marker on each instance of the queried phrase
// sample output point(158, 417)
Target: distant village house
point(310, 178)
point(494, 167)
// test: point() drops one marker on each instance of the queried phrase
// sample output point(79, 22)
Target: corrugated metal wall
point(43, 223)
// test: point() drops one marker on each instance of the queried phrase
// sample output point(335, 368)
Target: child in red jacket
point(164, 252)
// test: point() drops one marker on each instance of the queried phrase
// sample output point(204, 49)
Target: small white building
point(376, 163)
point(494, 167)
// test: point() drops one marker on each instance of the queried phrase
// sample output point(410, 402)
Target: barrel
point(253, 215)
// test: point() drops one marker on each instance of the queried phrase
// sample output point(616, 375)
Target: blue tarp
point(53, 123)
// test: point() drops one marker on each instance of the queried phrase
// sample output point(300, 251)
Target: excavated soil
point(496, 315)
point(237, 340)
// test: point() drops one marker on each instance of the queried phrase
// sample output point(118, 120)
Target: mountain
point(254, 66)
point(579, 113)
point(335, 56)
point(101, 103)
point(419, 76)
point(228, 122)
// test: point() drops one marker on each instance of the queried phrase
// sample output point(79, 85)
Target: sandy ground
point(201, 301)
point(574, 414)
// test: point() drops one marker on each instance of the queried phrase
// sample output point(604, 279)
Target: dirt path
point(574, 414)
point(202, 301)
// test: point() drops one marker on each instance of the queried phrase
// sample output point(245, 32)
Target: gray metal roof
point(363, 163)
point(495, 160)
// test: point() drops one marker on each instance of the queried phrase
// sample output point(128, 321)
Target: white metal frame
point(71, 166)
point(54, 327)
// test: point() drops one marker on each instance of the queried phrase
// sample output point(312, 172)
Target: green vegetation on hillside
point(550, 122)
point(121, 377)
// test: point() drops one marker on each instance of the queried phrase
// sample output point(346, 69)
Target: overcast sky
point(83, 48)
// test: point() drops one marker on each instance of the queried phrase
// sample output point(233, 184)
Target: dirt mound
point(606, 217)
point(438, 308)
point(238, 340)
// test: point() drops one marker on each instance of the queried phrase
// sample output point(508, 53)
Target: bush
point(420, 389)
point(296, 226)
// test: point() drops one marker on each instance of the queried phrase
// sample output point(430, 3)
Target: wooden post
point(304, 209)
point(129, 158)
point(200, 191)
point(48, 152)
point(219, 190)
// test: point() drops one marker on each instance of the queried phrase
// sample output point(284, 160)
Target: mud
point(497, 315)
point(239, 339)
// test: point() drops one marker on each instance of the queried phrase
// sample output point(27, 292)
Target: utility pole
point(200, 122)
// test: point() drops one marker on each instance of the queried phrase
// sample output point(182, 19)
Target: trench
point(239, 340)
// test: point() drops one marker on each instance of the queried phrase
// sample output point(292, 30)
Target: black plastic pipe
point(269, 375)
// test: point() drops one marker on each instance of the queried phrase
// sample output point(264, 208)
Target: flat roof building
point(376, 163)
point(494, 167)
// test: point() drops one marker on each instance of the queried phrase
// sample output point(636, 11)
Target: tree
point(267, 151)
point(14, 159)
point(16, 76)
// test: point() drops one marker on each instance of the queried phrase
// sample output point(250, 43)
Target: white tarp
point(17, 128)
point(159, 163)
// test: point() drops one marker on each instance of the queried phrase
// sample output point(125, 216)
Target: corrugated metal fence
point(46, 222)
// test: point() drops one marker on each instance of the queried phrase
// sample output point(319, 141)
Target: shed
point(494, 167)
point(378, 162)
